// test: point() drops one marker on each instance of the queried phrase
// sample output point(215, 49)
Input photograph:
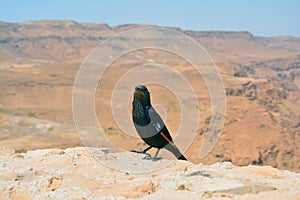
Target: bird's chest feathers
point(140, 114)
point(146, 121)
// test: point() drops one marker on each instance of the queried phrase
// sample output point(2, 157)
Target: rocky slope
point(91, 173)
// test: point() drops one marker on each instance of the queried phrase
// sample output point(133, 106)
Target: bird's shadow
point(199, 173)
point(148, 157)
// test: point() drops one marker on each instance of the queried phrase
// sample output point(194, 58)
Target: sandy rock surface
point(92, 173)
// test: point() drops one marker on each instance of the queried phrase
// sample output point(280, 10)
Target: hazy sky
point(261, 17)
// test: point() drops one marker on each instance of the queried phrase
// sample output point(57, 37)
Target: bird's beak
point(138, 87)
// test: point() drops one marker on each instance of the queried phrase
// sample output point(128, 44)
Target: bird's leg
point(154, 158)
point(143, 151)
point(156, 154)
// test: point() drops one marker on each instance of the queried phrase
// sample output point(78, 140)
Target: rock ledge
point(90, 173)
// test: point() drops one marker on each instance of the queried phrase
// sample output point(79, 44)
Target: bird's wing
point(153, 126)
point(166, 135)
point(159, 125)
point(155, 119)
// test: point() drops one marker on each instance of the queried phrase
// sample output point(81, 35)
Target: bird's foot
point(141, 152)
point(148, 156)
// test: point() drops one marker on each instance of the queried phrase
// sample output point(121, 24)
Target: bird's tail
point(173, 149)
point(181, 157)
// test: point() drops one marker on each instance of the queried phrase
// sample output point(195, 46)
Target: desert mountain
point(39, 61)
point(69, 41)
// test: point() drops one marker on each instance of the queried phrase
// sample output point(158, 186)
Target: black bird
point(150, 126)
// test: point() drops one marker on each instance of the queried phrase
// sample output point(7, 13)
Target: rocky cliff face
point(69, 40)
point(90, 173)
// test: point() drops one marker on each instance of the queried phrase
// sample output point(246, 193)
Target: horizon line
point(146, 24)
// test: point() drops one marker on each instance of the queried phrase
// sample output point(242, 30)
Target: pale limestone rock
point(93, 173)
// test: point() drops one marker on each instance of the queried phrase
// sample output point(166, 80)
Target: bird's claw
point(141, 152)
point(135, 151)
point(147, 157)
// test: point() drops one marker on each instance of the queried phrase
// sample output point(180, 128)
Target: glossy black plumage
point(149, 124)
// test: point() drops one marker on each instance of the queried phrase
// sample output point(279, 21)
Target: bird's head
point(142, 94)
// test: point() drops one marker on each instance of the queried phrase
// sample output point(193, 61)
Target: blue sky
point(261, 17)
